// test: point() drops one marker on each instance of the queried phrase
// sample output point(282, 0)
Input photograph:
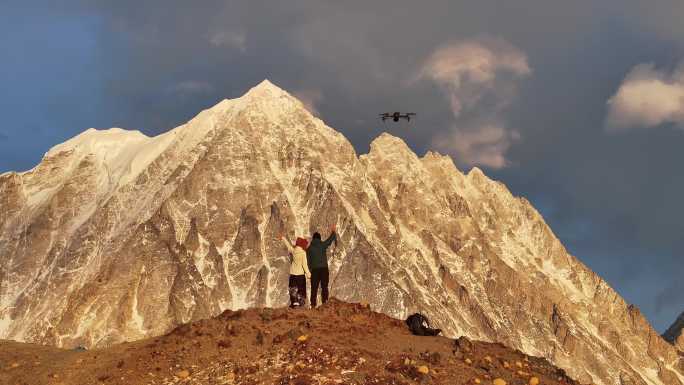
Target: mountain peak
point(264, 91)
point(266, 84)
point(99, 141)
point(389, 141)
point(393, 149)
point(675, 333)
point(266, 88)
point(221, 187)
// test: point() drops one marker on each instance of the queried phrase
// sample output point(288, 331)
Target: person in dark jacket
point(318, 265)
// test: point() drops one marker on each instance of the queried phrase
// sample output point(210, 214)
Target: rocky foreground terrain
point(338, 343)
point(116, 236)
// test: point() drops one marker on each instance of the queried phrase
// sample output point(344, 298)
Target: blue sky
point(519, 89)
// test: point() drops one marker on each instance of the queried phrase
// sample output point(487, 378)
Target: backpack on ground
point(419, 325)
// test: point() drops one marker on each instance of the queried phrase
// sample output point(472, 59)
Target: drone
point(396, 116)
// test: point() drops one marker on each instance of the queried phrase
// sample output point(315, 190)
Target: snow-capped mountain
point(674, 334)
point(116, 236)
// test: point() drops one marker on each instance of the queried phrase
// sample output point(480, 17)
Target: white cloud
point(231, 39)
point(647, 98)
point(480, 79)
point(310, 98)
point(469, 69)
point(486, 145)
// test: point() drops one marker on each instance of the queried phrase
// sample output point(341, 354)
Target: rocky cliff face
point(116, 236)
point(675, 334)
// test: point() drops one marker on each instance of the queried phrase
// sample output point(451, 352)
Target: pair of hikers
point(309, 261)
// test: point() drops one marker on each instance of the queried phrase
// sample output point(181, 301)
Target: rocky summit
point(116, 236)
point(339, 343)
point(675, 333)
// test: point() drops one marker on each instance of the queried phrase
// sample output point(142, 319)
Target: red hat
point(301, 242)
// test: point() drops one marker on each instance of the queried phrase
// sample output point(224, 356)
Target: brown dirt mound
point(338, 343)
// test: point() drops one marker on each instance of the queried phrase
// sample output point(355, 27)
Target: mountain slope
point(114, 240)
point(339, 343)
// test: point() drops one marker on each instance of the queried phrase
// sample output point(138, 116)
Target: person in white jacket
point(299, 271)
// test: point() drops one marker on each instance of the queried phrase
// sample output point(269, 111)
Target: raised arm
point(287, 244)
point(332, 236)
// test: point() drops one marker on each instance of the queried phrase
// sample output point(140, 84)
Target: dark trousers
point(297, 289)
point(319, 276)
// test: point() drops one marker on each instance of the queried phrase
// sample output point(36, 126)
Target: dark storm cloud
point(351, 53)
point(614, 199)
